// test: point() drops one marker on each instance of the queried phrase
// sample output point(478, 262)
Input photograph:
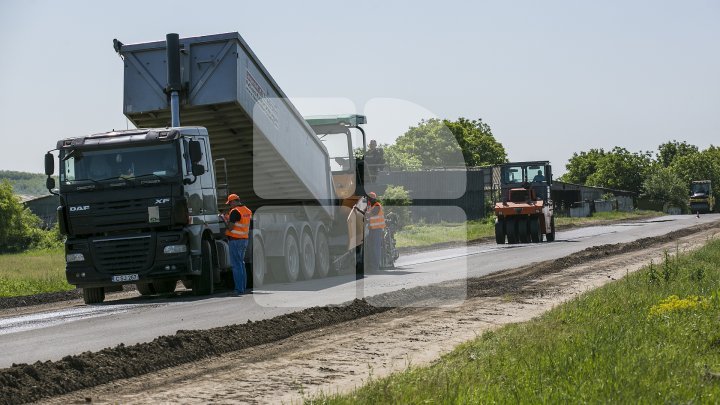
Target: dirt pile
point(24, 383)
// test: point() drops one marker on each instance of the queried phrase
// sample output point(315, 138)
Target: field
point(651, 337)
point(32, 272)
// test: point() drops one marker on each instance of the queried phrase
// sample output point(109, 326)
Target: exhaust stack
point(173, 76)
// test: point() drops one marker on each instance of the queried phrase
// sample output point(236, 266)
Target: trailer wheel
point(145, 288)
point(522, 227)
point(93, 295)
point(511, 230)
point(500, 232)
point(164, 286)
point(322, 255)
point(551, 236)
point(290, 260)
point(307, 256)
point(258, 263)
point(535, 235)
point(204, 283)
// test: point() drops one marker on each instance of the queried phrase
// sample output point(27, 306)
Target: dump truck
point(143, 206)
point(701, 197)
point(525, 211)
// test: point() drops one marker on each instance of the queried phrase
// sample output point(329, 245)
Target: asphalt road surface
point(73, 329)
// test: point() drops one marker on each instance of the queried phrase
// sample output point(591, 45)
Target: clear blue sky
point(549, 77)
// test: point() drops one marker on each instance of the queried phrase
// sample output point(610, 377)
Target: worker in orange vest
point(376, 222)
point(238, 232)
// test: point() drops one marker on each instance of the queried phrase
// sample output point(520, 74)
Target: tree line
point(664, 176)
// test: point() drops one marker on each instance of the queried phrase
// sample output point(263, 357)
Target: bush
point(20, 229)
point(395, 201)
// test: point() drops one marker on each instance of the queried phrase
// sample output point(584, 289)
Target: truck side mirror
point(198, 169)
point(49, 164)
point(195, 152)
point(50, 183)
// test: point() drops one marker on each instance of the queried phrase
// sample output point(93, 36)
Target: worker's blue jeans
point(237, 257)
point(374, 250)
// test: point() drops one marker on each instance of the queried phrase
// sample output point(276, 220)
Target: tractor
point(525, 210)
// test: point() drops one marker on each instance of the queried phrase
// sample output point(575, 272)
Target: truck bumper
point(127, 259)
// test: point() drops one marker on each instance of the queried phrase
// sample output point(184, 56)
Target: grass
point(651, 337)
point(419, 235)
point(32, 272)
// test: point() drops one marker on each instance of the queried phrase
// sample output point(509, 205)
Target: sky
point(550, 77)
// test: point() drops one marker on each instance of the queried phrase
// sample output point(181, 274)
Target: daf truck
point(142, 206)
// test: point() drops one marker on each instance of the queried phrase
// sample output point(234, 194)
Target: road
point(76, 328)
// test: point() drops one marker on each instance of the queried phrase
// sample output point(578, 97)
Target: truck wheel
point(258, 263)
point(93, 295)
point(204, 283)
point(145, 288)
point(500, 232)
point(535, 235)
point(522, 226)
point(511, 230)
point(322, 255)
point(290, 269)
point(551, 236)
point(164, 286)
point(307, 256)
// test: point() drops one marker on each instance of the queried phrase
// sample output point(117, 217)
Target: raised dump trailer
point(270, 152)
point(142, 206)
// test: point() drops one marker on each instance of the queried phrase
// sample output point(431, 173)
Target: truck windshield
point(513, 174)
point(127, 163)
point(338, 147)
point(700, 188)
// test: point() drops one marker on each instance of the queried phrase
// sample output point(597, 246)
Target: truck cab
point(135, 205)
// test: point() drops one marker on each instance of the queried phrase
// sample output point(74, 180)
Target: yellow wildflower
point(674, 303)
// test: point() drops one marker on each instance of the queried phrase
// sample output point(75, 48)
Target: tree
point(703, 165)
point(445, 143)
point(19, 228)
point(663, 184)
point(582, 165)
point(618, 169)
point(621, 170)
point(668, 151)
point(477, 143)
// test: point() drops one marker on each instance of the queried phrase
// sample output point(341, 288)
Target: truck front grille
point(123, 255)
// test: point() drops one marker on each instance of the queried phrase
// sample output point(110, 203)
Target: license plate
point(125, 277)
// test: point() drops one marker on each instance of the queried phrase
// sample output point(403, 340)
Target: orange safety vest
point(240, 229)
point(377, 221)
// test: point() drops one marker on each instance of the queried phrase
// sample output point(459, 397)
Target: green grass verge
point(419, 235)
point(651, 337)
point(32, 272)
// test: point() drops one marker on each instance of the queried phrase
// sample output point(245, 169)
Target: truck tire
point(290, 262)
point(307, 256)
point(535, 235)
point(511, 230)
point(204, 283)
point(164, 286)
point(93, 295)
point(550, 237)
point(322, 255)
point(522, 227)
point(500, 232)
point(259, 265)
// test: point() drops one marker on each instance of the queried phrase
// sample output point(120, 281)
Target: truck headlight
point(171, 249)
point(74, 257)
